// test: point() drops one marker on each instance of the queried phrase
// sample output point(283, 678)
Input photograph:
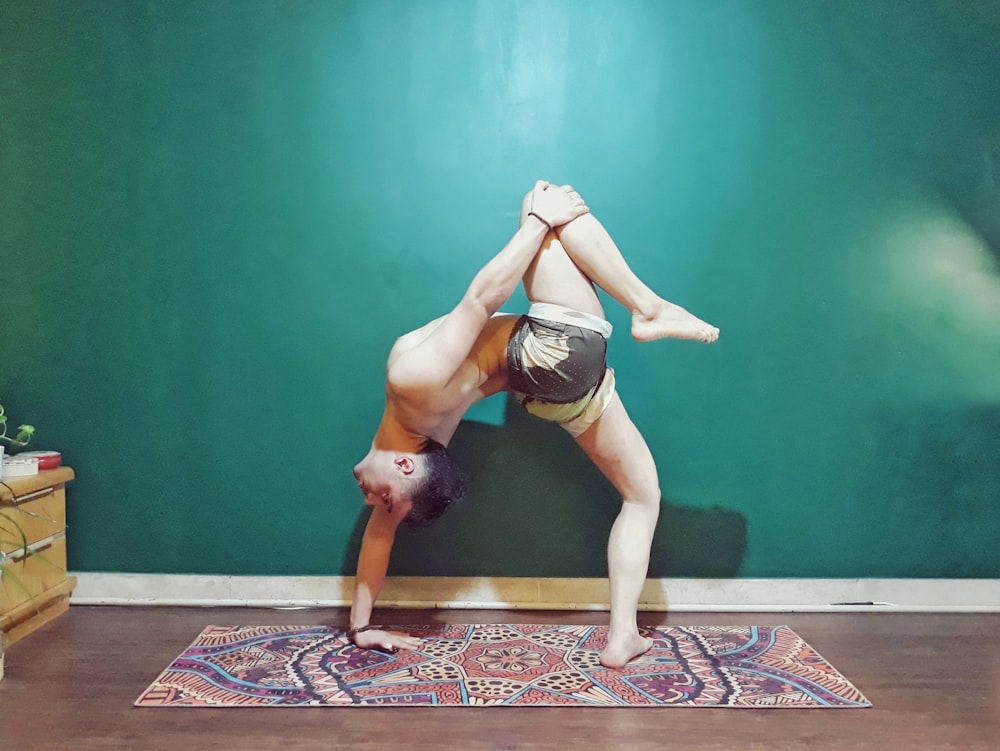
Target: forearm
point(498, 279)
point(373, 562)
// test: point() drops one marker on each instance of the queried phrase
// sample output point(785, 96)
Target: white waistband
point(551, 312)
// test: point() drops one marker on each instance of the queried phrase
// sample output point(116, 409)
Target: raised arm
point(431, 365)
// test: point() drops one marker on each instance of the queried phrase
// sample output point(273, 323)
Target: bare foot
point(620, 651)
point(674, 322)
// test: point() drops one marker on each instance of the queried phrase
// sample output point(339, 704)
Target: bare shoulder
point(414, 364)
point(448, 355)
point(412, 339)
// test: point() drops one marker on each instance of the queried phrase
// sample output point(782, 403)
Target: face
point(386, 480)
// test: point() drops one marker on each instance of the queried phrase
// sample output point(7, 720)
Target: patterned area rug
point(500, 665)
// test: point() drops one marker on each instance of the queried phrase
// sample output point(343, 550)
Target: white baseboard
point(516, 593)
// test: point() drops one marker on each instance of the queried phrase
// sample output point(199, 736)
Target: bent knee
point(647, 499)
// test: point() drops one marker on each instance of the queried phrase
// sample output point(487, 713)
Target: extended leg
point(595, 253)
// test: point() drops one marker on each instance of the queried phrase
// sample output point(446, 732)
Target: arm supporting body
point(373, 562)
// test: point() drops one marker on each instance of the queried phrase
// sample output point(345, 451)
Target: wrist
point(548, 225)
point(355, 630)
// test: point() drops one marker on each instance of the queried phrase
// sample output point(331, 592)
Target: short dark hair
point(442, 486)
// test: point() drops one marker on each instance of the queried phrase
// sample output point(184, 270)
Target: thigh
point(554, 278)
point(618, 449)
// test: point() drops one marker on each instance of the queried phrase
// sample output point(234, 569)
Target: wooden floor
point(934, 681)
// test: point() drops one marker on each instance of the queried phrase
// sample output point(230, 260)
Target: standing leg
point(618, 449)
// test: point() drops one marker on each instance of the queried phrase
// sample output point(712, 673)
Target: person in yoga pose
point(552, 360)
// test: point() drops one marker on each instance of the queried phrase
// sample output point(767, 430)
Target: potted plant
point(19, 440)
point(13, 542)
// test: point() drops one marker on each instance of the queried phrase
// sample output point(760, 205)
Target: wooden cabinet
point(36, 587)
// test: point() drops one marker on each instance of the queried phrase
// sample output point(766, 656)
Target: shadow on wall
point(536, 506)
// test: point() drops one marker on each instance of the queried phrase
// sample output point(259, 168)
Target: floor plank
point(934, 680)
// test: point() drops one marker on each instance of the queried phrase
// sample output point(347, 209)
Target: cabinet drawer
point(41, 516)
point(32, 576)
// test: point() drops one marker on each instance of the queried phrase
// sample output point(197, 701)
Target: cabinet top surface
point(46, 479)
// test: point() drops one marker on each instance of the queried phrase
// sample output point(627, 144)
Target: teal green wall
point(216, 216)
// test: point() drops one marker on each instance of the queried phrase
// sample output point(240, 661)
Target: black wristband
point(532, 213)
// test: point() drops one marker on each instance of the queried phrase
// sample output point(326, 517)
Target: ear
point(405, 464)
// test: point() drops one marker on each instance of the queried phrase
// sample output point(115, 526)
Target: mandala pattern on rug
point(501, 665)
